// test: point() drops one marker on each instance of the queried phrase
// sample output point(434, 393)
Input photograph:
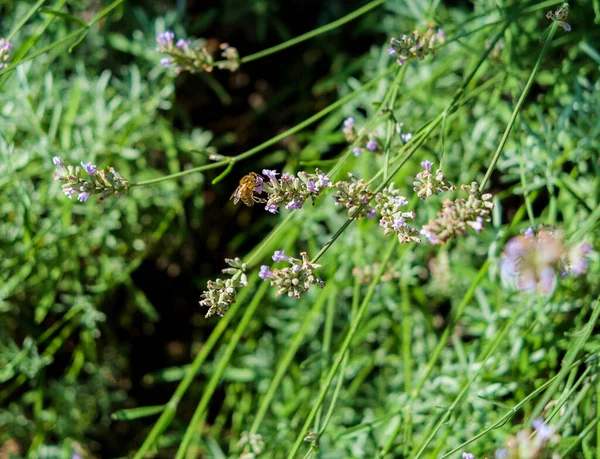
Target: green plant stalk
point(170, 408)
point(286, 360)
point(274, 140)
point(198, 417)
point(507, 416)
point(517, 108)
point(446, 335)
point(483, 360)
point(326, 346)
point(345, 345)
point(567, 362)
point(24, 19)
point(313, 33)
point(567, 414)
point(584, 433)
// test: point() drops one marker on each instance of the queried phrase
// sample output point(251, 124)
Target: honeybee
point(245, 190)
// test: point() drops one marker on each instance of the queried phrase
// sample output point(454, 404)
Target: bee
point(245, 190)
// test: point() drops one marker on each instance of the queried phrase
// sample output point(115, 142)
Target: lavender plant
point(410, 348)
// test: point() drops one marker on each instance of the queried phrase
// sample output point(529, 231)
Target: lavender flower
point(372, 145)
point(97, 181)
point(279, 255)
point(349, 122)
point(466, 455)
point(532, 261)
point(191, 56)
point(265, 272)
point(293, 280)
point(393, 217)
point(89, 167)
point(406, 137)
point(5, 48)
point(456, 215)
point(292, 192)
point(560, 17)
point(427, 184)
point(526, 445)
point(415, 45)
point(353, 195)
point(575, 261)
point(357, 151)
point(349, 129)
point(232, 58)
point(220, 294)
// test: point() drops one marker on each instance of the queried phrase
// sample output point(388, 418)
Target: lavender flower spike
point(272, 174)
point(57, 161)
point(427, 165)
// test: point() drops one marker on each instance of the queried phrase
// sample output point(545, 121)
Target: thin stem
point(198, 417)
point(517, 109)
point(169, 412)
point(275, 139)
point(313, 33)
point(343, 349)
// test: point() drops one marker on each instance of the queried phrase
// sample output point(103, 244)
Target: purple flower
point(543, 430)
point(383, 223)
point(477, 225)
point(392, 51)
point(296, 268)
point(272, 174)
point(182, 44)
point(529, 232)
point(69, 192)
point(357, 151)
point(401, 61)
point(349, 123)
point(567, 27)
point(406, 137)
point(372, 145)
point(372, 213)
point(57, 160)
point(89, 167)
point(280, 256)
point(501, 453)
point(400, 201)
point(466, 455)
point(294, 204)
point(265, 272)
point(258, 187)
point(83, 196)
point(271, 208)
point(285, 178)
point(324, 179)
point(311, 186)
point(165, 38)
point(398, 222)
point(166, 62)
point(426, 165)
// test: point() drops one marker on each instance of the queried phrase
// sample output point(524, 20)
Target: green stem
point(313, 33)
point(343, 349)
point(275, 139)
point(198, 417)
point(169, 412)
point(286, 361)
point(517, 109)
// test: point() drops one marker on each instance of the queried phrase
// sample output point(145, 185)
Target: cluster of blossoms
point(427, 184)
point(415, 45)
point(87, 180)
point(529, 445)
point(533, 260)
point(459, 214)
point(371, 143)
point(192, 56)
point(560, 17)
point(289, 191)
point(5, 48)
point(354, 195)
point(220, 294)
point(393, 217)
point(365, 275)
point(293, 280)
point(254, 442)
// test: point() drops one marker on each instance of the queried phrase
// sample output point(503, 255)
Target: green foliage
point(409, 350)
